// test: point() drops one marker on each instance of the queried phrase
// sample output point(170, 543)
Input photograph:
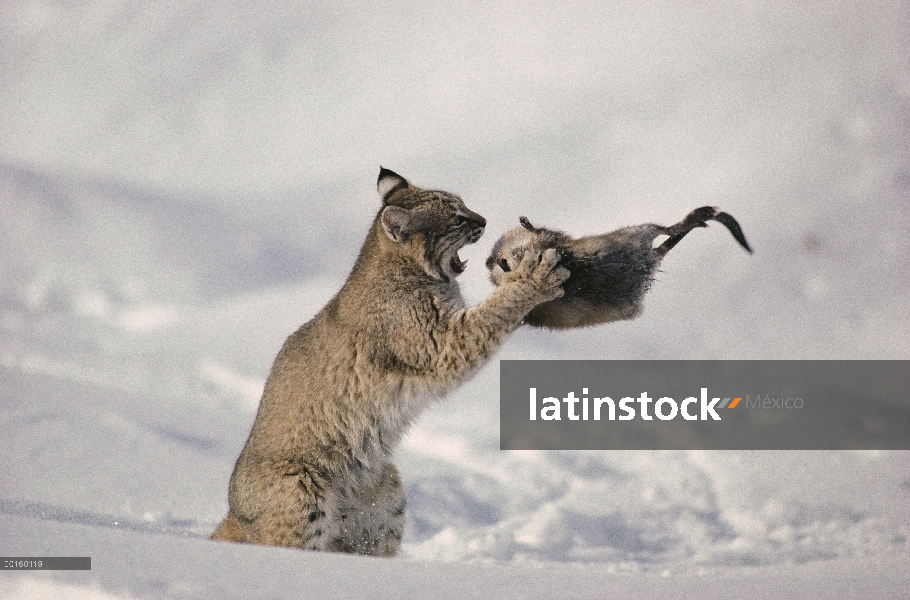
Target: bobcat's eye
point(459, 221)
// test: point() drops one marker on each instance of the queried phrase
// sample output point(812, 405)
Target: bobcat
point(611, 273)
point(315, 472)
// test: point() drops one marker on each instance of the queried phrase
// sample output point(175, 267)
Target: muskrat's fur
point(610, 273)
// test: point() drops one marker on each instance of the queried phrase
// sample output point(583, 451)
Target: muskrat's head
point(510, 248)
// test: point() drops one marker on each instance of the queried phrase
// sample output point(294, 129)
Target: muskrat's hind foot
point(697, 218)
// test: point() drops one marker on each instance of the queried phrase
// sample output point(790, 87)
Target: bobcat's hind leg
point(284, 504)
point(372, 522)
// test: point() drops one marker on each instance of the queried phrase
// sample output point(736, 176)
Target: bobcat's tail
point(229, 530)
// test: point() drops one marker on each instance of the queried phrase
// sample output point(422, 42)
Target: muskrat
point(610, 273)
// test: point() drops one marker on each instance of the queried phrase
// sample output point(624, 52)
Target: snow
point(127, 563)
point(183, 185)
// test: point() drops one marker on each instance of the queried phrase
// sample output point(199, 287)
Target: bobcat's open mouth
point(458, 265)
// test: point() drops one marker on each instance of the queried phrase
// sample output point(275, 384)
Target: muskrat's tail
point(697, 218)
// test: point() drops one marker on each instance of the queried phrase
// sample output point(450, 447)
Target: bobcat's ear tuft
point(396, 222)
point(388, 183)
point(526, 223)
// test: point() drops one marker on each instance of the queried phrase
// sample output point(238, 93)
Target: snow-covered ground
point(181, 186)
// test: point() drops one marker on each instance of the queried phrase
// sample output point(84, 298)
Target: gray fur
point(316, 472)
point(611, 273)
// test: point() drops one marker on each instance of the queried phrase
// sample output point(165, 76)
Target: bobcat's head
point(430, 225)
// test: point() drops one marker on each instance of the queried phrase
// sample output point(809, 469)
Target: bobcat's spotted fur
point(315, 472)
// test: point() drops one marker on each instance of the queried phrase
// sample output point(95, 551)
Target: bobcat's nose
point(477, 228)
point(476, 222)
